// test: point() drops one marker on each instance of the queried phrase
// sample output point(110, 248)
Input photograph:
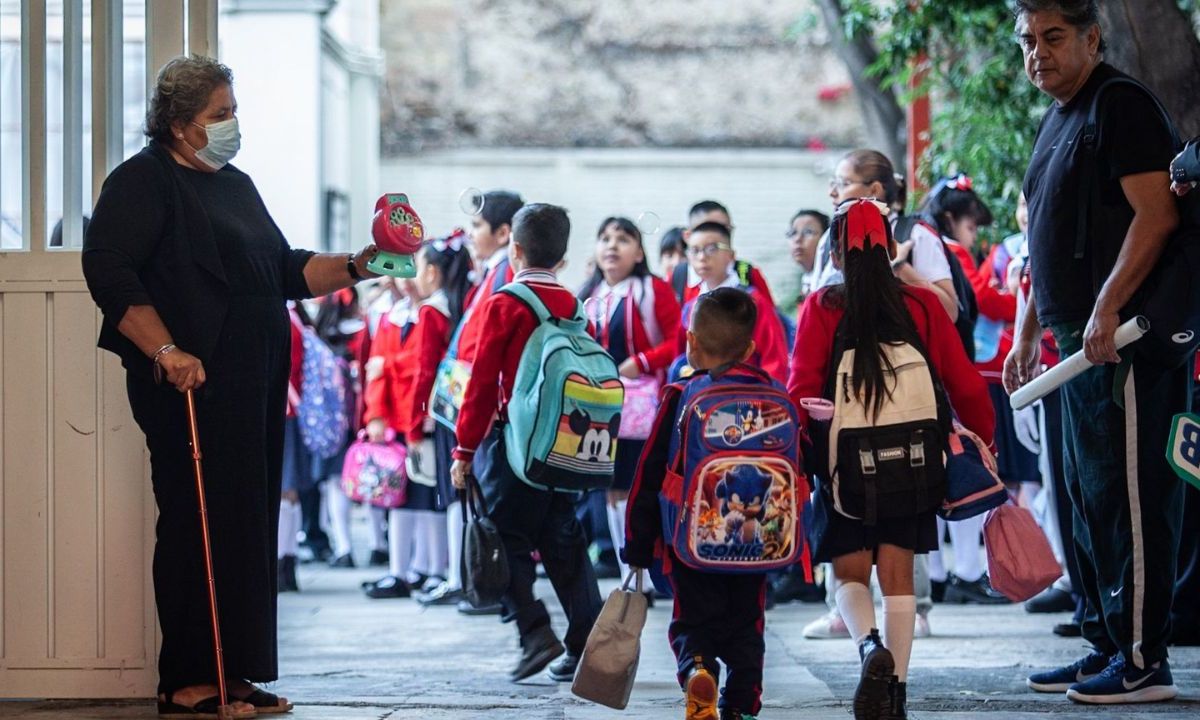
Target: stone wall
point(611, 73)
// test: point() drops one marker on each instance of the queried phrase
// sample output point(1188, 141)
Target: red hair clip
point(865, 224)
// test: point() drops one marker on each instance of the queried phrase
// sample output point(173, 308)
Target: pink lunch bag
point(1020, 561)
point(374, 472)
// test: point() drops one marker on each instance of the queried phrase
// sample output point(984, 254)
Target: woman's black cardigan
point(150, 243)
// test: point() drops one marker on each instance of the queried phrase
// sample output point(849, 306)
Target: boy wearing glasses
point(710, 256)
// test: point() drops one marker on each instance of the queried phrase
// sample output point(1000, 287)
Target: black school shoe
point(873, 697)
point(899, 700)
point(563, 669)
point(1050, 600)
point(538, 648)
point(388, 586)
point(980, 592)
point(379, 558)
point(466, 608)
point(342, 561)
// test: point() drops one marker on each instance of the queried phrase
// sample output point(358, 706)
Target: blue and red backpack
point(733, 496)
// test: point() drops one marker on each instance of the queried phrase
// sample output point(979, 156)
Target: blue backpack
point(565, 408)
point(324, 422)
point(733, 495)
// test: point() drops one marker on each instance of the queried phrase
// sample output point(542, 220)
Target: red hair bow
point(865, 225)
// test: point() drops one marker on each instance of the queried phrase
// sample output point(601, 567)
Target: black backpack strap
point(866, 459)
point(679, 278)
point(904, 227)
point(1089, 140)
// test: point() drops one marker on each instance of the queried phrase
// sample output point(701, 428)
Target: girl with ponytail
point(410, 342)
point(873, 307)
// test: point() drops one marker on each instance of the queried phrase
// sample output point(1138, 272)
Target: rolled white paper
point(1071, 367)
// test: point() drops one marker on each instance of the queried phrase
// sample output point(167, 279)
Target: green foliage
point(985, 111)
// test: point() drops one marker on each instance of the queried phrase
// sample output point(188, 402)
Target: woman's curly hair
point(181, 91)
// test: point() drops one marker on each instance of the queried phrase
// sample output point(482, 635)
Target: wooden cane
point(225, 710)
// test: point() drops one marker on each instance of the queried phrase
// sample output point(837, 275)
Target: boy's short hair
point(723, 322)
point(713, 227)
point(705, 207)
point(499, 207)
point(671, 242)
point(542, 230)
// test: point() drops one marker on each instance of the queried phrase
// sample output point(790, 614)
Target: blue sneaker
point(1123, 682)
point(1061, 680)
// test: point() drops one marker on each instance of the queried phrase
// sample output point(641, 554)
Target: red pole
point(918, 121)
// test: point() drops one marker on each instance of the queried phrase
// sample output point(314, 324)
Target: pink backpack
point(374, 472)
point(1020, 561)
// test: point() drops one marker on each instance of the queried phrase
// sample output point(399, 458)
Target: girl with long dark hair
point(636, 318)
point(410, 342)
point(873, 307)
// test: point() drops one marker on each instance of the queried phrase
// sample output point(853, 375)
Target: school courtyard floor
point(344, 656)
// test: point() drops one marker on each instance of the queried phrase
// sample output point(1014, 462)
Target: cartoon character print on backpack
point(739, 493)
point(587, 430)
point(595, 443)
point(743, 493)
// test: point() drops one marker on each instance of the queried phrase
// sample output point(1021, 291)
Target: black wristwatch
point(352, 268)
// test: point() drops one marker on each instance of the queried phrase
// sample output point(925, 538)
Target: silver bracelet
point(162, 351)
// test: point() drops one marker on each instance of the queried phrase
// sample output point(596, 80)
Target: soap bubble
point(648, 222)
point(471, 201)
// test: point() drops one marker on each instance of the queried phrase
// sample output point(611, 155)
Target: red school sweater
point(400, 395)
point(967, 391)
point(650, 357)
point(770, 340)
point(468, 339)
point(505, 324)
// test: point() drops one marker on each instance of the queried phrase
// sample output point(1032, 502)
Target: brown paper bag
point(609, 663)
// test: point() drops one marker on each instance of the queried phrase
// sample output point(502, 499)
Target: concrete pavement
point(343, 656)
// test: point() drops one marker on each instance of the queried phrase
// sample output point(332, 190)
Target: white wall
point(275, 58)
point(761, 188)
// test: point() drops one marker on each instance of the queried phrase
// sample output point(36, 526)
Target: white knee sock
point(435, 532)
point(422, 553)
point(922, 587)
point(401, 524)
point(616, 528)
point(937, 564)
point(857, 607)
point(831, 586)
point(454, 529)
point(289, 526)
point(339, 519)
point(378, 519)
point(968, 560)
point(899, 614)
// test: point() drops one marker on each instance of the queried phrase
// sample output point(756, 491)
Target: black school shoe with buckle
point(538, 648)
point(873, 697)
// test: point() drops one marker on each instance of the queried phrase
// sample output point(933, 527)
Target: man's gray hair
point(181, 91)
point(1082, 14)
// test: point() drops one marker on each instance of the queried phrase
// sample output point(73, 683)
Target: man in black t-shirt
point(1100, 214)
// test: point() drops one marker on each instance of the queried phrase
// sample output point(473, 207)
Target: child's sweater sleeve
point(377, 398)
point(810, 357)
point(433, 337)
point(643, 518)
point(666, 312)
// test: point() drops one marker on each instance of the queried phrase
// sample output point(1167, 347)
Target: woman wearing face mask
point(192, 276)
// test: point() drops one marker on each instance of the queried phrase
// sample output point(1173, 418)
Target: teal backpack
point(566, 404)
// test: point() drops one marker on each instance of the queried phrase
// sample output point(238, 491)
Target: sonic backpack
point(565, 408)
point(733, 493)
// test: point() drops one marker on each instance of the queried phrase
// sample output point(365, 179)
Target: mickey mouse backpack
point(565, 409)
point(733, 494)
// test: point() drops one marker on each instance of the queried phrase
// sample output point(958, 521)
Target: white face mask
point(224, 141)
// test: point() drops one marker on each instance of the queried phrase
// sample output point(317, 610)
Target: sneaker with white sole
point(1061, 679)
point(1123, 682)
point(921, 627)
point(827, 627)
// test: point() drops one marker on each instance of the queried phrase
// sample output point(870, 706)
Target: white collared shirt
point(731, 280)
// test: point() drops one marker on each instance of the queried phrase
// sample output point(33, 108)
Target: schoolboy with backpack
point(881, 353)
point(719, 495)
point(555, 398)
